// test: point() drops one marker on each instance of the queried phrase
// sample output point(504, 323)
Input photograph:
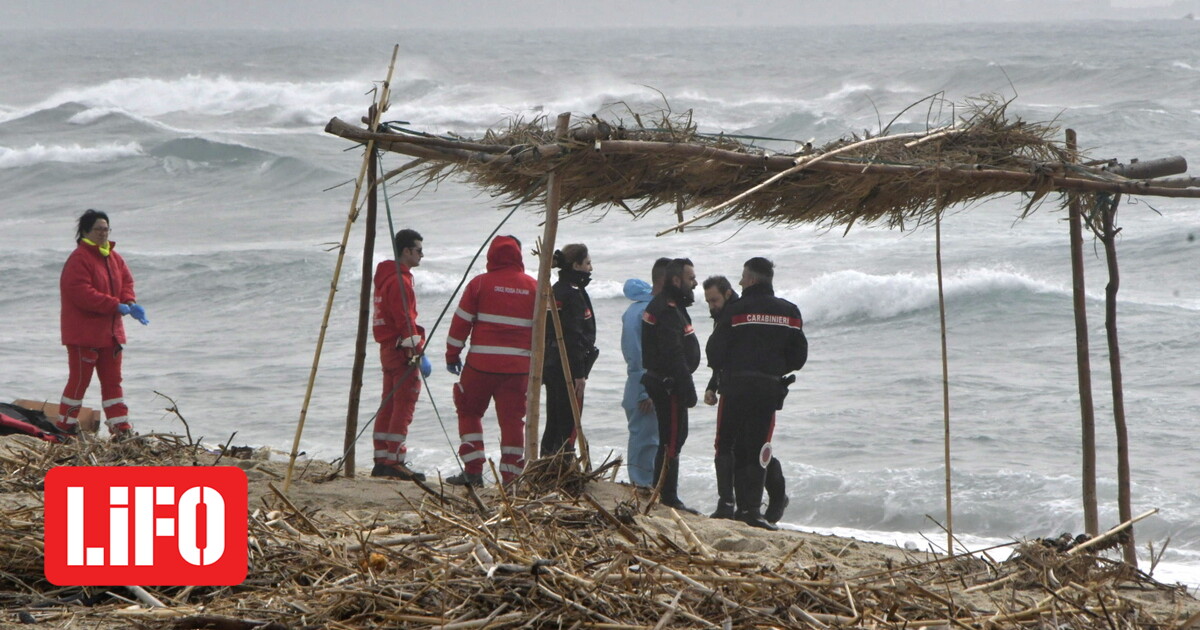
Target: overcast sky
point(442, 14)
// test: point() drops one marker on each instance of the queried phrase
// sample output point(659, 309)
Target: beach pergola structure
point(661, 160)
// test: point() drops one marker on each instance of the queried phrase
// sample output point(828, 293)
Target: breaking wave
point(854, 295)
point(286, 102)
point(69, 154)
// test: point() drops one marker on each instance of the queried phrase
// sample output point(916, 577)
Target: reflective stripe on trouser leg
point(108, 370)
point(395, 414)
point(81, 364)
point(471, 397)
point(510, 411)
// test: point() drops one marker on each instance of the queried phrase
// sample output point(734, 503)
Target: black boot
point(725, 505)
point(670, 488)
point(777, 500)
point(748, 481)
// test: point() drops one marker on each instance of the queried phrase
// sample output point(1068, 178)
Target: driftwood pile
point(546, 553)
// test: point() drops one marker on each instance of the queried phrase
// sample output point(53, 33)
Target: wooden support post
point(1091, 518)
point(364, 318)
point(537, 348)
point(585, 460)
point(1108, 235)
point(945, 392)
point(380, 107)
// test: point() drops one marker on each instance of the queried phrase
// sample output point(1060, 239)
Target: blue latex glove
point(454, 368)
point(123, 309)
point(139, 313)
point(426, 366)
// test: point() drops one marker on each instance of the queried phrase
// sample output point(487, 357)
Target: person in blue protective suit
point(639, 409)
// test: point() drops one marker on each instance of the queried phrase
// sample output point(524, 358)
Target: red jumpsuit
point(92, 286)
point(496, 314)
point(392, 323)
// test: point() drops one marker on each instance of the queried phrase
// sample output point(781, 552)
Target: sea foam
point(71, 154)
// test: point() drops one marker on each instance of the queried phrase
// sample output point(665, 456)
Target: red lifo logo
point(152, 525)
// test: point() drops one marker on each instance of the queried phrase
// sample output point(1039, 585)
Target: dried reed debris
point(561, 548)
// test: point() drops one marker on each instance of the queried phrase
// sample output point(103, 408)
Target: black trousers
point(747, 419)
point(559, 433)
point(728, 431)
point(672, 417)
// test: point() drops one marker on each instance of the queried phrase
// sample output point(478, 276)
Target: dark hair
point(407, 238)
point(658, 270)
point(87, 220)
point(674, 269)
point(762, 269)
point(573, 254)
point(720, 282)
point(515, 239)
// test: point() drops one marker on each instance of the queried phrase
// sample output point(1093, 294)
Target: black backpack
point(15, 419)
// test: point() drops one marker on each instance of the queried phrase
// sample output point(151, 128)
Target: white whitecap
point(71, 154)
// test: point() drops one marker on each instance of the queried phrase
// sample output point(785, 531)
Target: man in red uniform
point(496, 314)
point(97, 289)
point(401, 344)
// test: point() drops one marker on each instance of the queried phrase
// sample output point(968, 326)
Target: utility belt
point(654, 379)
point(655, 382)
point(731, 379)
point(553, 358)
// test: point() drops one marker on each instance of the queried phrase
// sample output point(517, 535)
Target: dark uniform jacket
point(669, 345)
point(714, 383)
point(578, 324)
point(758, 333)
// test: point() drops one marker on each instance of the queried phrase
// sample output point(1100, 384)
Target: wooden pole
point(1109, 232)
point(585, 460)
point(945, 392)
point(380, 106)
point(538, 346)
point(1087, 412)
point(364, 318)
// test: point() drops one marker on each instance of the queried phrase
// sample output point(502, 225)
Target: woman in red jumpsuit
point(97, 290)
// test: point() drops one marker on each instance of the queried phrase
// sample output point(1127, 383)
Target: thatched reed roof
point(890, 179)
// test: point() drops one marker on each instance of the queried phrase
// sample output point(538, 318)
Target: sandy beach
point(560, 548)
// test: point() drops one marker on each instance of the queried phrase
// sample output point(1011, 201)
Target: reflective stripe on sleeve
point(516, 352)
point(504, 319)
point(767, 320)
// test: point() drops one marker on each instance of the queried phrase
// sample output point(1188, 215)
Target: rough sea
point(207, 150)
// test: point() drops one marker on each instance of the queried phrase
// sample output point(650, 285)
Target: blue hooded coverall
point(643, 426)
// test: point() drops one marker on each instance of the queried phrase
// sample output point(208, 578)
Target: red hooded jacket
point(390, 320)
point(92, 286)
point(496, 313)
